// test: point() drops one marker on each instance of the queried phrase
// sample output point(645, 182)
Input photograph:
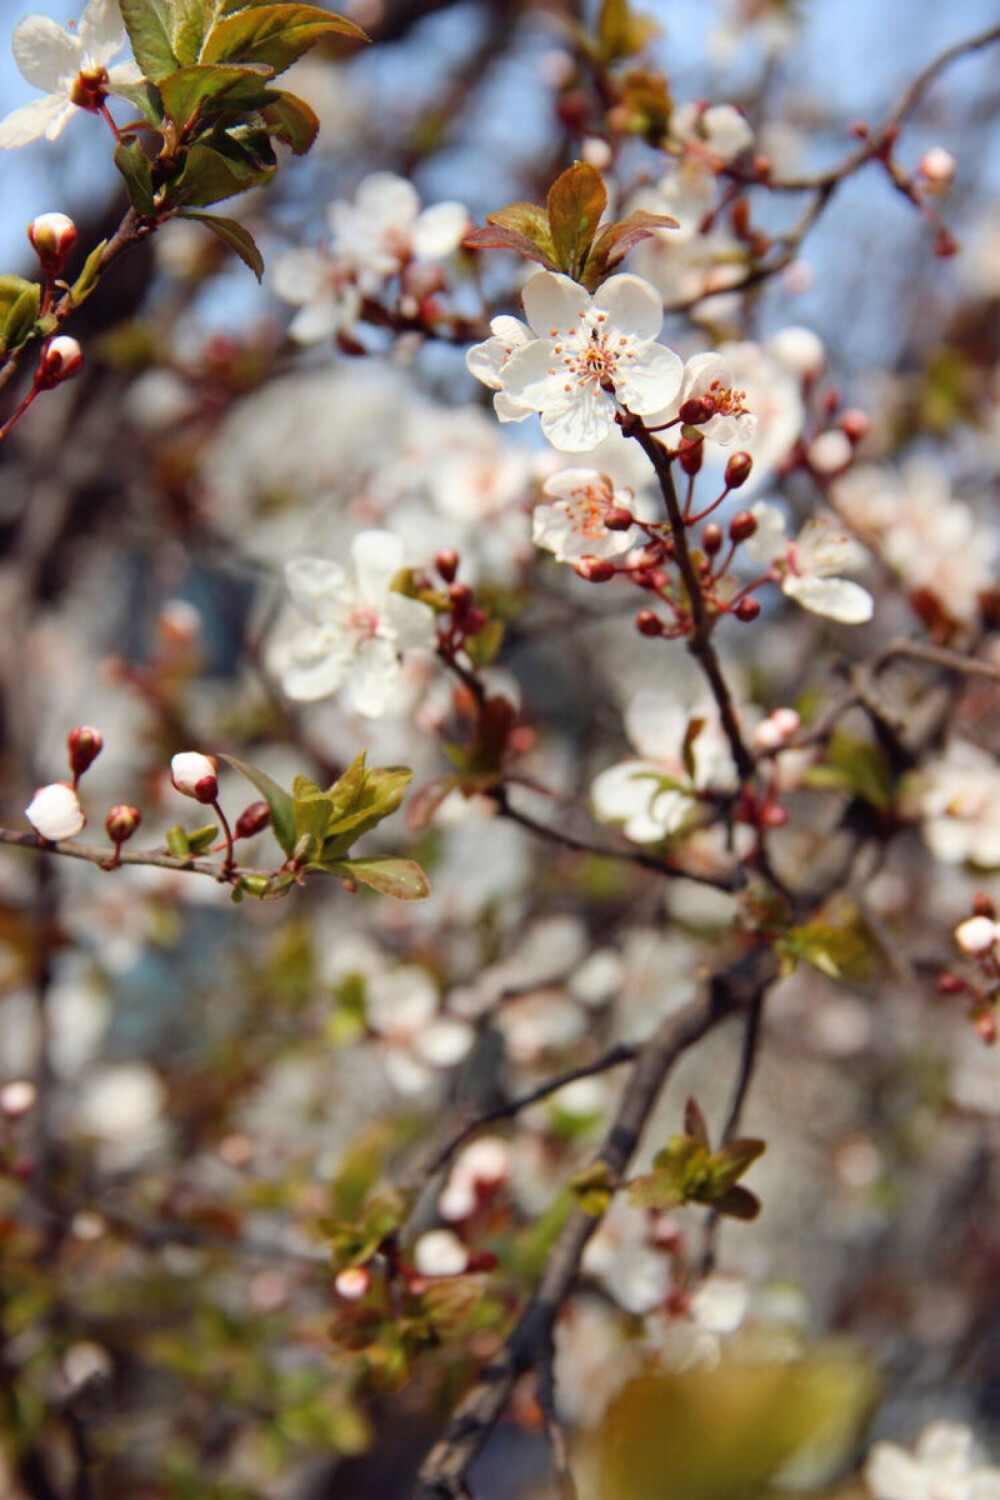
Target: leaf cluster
point(566, 235)
point(687, 1170)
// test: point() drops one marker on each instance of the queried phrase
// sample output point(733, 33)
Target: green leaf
point(831, 949)
point(856, 766)
point(134, 165)
point(149, 24)
point(277, 799)
point(346, 790)
point(379, 795)
point(21, 315)
point(88, 277)
point(202, 839)
point(207, 88)
point(402, 878)
point(188, 29)
point(232, 234)
point(483, 648)
point(312, 817)
point(728, 1164)
point(576, 201)
point(691, 733)
point(177, 842)
point(144, 98)
point(274, 34)
point(593, 1187)
point(291, 120)
point(212, 173)
point(655, 1190)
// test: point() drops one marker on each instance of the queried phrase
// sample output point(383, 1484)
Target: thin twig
point(749, 1053)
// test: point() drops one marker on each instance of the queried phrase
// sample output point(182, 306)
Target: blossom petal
point(554, 301)
point(836, 598)
point(42, 117)
point(633, 305)
point(378, 557)
point(373, 678)
point(102, 32)
point(769, 541)
point(652, 382)
point(311, 666)
point(411, 622)
point(46, 55)
point(439, 230)
point(313, 583)
point(577, 421)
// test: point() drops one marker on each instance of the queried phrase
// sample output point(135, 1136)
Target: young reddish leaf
point(616, 240)
point(694, 1121)
point(495, 238)
point(576, 201)
point(738, 1203)
point(232, 234)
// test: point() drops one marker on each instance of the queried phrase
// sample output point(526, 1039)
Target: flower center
point(586, 508)
point(729, 402)
point(90, 89)
point(363, 622)
point(592, 360)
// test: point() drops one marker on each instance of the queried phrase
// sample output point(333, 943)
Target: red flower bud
point(738, 471)
point(121, 822)
point(596, 569)
point(194, 774)
point(748, 609)
point(983, 905)
point(648, 623)
point(446, 563)
point(461, 599)
point(85, 745)
point(697, 410)
point(742, 526)
point(690, 452)
point(854, 424)
point(712, 539)
point(950, 984)
point(617, 518)
point(252, 820)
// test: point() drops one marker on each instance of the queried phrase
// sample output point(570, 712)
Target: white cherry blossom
point(384, 228)
point(488, 360)
point(55, 813)
point(942, 1467)
point(959, 802)
point(322, 288)
point(589, 356)
point(808, 567)
point(716, 134)
point(708, 378)
point(574, 528)
point(355, 626)
point(71, 68)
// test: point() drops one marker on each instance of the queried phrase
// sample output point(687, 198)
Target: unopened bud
point(195, 776)
point(937, 167)
point(446, 563)
point(252, 820)
point(690, 453)
point(742, 526)
point(596, 569)
point(945, 243)
point(461, 598)
point(17, 1098)
point(854, 423)
point(983, 905)
point(830, 452)
point(738, 472)
point(55, 812)
point(748, 609)
point(950, 984)
point(617, 518)
point(85, 745)
point(773, 816)
point(697, 410)
point(986, 1025)
point(61, 359)
point(712, 539)
point(178, 625)
point(648, 623)
point(121, 822)
point(977, 936)
point(353, 1283)
point(52, 237)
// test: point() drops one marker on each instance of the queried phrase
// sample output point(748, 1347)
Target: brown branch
point(158, 858)
point(749, 1053)
point(443, 1474)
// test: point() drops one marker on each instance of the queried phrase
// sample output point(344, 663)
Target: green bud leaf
point(227, 167)
point(728, 1164)
point(201, 839)
point(88, 277)
point(291, 120)
point(593, 1187)
point(177, 842)
point(20, 316)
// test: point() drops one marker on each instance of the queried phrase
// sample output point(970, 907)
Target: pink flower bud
point(937, 167)
point(854, 423)
point(977, 936)
point(195, 775)
point(830, 452)
point(53, 237)
point(738, 472)
point(55, 812)
point(121, 822)
point(353, 1283)
point(252, 820)
point(17, 1098)
point(61, 359)
point(85, 745)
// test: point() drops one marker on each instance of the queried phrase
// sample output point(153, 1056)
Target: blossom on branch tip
point(941, 1467)
point(71, 69)
point(708, 380)
point(586, 358)
point(355, 626)
point(55, 812)
point(808, 566)
point(576, 527)
point(195, 775)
